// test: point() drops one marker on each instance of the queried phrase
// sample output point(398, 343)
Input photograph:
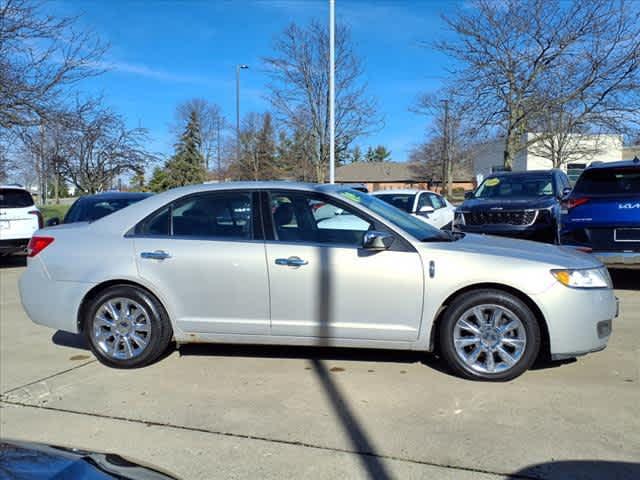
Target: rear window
point(609, 181)
point(15, 198)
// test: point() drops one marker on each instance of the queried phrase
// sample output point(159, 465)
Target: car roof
point(115, 196)
point(14, 187)
point(532, 173)
point(397, 191)
point(624, 163)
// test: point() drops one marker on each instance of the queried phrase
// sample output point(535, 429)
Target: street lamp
point(238, 68)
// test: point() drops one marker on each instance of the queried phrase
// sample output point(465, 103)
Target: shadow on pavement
point(625, 279)
point(13, 261)
point(583, 469)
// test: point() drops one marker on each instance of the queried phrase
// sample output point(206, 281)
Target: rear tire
point(489, 335)
point(126, 327)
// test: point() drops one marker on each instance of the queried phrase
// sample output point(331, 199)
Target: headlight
point(584, 277)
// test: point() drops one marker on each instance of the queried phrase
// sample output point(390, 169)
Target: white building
point(489, 156)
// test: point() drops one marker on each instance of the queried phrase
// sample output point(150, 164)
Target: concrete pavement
point(266, 412)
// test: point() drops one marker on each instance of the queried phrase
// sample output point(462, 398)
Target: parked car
point(602, 213)
point(427, 206)
point(29, 460)
point(515, 204)
point(92, 207)
point(247, 262)
point(19, 218)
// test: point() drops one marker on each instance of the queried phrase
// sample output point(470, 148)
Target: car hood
point(507, 203)
point(41, 461)
point(508, 249)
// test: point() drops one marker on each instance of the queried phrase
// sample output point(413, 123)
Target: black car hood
point(507, 203)
point(35, 461)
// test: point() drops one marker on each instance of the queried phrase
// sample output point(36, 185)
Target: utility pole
point(238, 68)
point(218, 121)
point(332, 99)
point(446, 161)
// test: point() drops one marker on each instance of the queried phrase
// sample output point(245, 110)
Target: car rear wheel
point(489, 335)
point(126, 327)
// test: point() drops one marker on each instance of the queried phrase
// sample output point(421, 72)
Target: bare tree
point(212, 129)
point(448, 130)
point(518, 59)
point(299, 89)
point(257, 159)
point(40, 55)
point(97, 147)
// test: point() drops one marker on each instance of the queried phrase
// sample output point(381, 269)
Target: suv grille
point(509, 217)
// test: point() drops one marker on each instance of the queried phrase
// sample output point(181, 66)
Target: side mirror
point(468, 195)
point(426, 210)
point(374, 240)
point(566, 191)
point(52, 222)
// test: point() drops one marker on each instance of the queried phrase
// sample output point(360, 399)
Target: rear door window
point(609, 181)
point(15, 198)
point(226, 215)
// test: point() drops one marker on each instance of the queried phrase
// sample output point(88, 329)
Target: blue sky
point(164, 52)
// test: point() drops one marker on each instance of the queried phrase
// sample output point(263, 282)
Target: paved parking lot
point(264, 412)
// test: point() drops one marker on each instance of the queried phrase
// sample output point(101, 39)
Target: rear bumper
point(51, 303)
point(14, 245)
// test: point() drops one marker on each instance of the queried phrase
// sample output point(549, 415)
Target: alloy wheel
point(489, 338)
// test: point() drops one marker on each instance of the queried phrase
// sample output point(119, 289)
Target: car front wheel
point(126, 327)
point(489, 335)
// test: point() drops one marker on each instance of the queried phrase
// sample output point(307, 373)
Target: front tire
point(126, 327)
point(489, 335)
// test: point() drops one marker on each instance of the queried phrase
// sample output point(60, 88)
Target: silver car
point(253, 263)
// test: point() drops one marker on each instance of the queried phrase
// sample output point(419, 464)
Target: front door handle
point(157, 255)
point(291, 262)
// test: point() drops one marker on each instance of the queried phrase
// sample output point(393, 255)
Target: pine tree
point(356, 154)
point(187, 164)
point(378, 154)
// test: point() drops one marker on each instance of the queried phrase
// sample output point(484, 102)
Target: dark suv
point(515, 204)
point(602, 213)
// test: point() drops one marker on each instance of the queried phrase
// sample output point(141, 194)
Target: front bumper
point(543, 232)
point(619, 259)
point(579, 320)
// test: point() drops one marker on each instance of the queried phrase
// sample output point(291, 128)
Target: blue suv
point(602, 213)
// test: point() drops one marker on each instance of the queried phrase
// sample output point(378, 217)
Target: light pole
point(238, 68)
point(332, 99)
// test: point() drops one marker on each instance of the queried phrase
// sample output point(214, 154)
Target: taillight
point(39, 215)
point(37, 244)
point(575, 202)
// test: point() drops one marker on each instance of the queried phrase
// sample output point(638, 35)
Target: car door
point(204, 254)
point(324, 285)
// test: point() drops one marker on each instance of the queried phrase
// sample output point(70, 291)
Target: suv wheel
point(489, 335)
point(126, 327)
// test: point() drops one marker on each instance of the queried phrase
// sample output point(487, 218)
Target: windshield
point(15, 198)
point(410, 224)
point(403, 201)
point(609, 181)
point(515, 186)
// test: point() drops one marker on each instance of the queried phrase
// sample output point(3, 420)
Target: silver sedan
point(259, 263)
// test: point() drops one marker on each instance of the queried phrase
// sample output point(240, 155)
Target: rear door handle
point(157, 255)
point(291, 262)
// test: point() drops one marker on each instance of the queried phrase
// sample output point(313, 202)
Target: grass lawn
point(50, 211)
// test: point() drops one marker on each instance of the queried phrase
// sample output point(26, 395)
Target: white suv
point(19, 218)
